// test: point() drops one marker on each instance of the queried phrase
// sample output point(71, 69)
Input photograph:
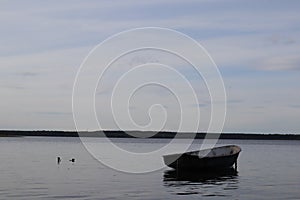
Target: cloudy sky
point(254, 44)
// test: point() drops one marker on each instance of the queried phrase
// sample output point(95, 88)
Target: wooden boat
point(217, 158)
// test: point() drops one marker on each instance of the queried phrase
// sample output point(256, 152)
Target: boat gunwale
point(190, 153)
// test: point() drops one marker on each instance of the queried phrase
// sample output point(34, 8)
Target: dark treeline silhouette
point(131, 134)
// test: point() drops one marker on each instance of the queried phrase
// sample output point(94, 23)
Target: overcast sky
point(255, 44)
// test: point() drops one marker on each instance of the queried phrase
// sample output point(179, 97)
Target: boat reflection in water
point(204, 183)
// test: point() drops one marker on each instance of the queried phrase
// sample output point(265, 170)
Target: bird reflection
point(211, 183)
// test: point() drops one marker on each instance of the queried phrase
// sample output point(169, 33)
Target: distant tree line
point(131, 134)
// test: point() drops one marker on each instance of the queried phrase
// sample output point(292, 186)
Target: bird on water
point(58, 160)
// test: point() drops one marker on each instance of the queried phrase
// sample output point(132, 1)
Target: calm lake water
point(266, 170)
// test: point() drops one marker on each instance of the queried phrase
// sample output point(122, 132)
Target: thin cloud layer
point(255, 45)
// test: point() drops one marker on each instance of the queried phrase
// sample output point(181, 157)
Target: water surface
point(29, 170)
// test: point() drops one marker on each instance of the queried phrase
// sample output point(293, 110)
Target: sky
point(253, 43)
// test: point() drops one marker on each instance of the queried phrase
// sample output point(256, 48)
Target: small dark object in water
point(72, 160)
point(58, 160)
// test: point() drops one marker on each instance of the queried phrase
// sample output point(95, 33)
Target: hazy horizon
point(112, 130)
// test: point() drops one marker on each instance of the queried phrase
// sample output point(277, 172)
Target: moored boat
point(217, 158)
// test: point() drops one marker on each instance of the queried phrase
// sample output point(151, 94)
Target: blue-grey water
point(29, 170)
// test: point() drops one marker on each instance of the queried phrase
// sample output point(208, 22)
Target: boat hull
point(188, 161)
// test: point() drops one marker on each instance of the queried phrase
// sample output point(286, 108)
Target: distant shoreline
point(122, 134)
